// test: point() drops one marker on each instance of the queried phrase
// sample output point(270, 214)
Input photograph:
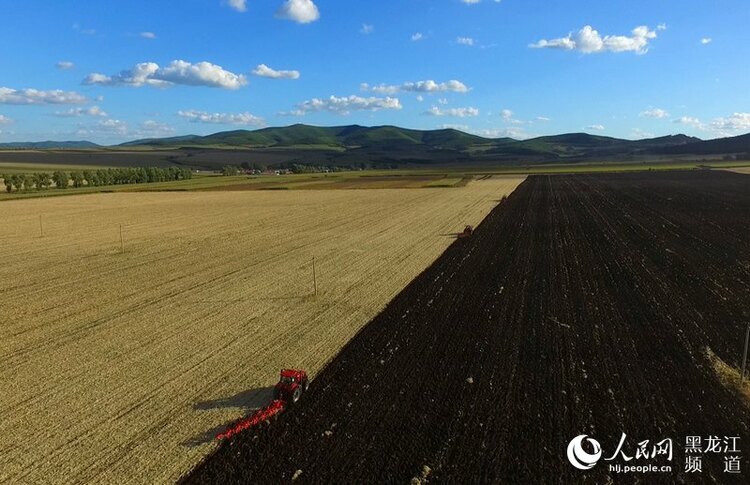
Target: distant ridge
point(49, 145)
point(390, 146)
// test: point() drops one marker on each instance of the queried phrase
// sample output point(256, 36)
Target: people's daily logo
point(579, 457)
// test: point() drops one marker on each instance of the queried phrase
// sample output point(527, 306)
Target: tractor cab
point(467, 232)
point(292, 383)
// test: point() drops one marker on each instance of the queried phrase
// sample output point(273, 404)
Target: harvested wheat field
point(120, 368)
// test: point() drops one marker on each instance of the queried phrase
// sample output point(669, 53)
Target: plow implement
point(292, 383)
point(262, 415)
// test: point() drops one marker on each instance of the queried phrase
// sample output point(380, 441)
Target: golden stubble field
point(119, 368)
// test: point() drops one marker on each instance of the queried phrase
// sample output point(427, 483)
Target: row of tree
point(94, 178)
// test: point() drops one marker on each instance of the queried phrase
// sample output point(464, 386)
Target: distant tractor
point(291, 385)
point(468, 231)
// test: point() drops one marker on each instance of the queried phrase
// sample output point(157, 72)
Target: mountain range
point(376, 145)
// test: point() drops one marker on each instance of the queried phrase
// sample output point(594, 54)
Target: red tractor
point(291, 385)
point(468, 231)
point(288, 390)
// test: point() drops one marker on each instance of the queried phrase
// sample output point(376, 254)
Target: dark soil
point(581, 305)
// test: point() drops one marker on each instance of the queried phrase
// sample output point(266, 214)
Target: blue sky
point(118, 70)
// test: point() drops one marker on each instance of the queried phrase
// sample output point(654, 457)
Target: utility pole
point(744, 355)
point(315, 280)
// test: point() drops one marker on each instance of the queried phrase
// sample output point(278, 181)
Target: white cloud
point(589, 41)
point(443, 101)
point(238, 5)
point(428, 86)
point(661, 26)
point(723, 126)
point(264, 71)
point(247, 119)
point(345, 105)
point(78, 28)
point(735, 122)
point(516, 133)
point(420, 98)
point(64, 65)
point(177, 72)
point(301, 11)
point(367, 29)
point(417, 36)
point(543, 118)
point(148, 35)
point(507, 116)
point(639, 134)
point(110, 126)
point(706, 40)
point(654, 113)
point(4, 120)
point(35, 96)
point(153, 129)
point(457, 112)
point(95, 111)
point(689, 121)
point(465, 41)
point(470, 2)
point(595, 127)
point(451, 126)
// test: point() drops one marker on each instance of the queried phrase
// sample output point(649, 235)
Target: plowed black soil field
point(581, 305)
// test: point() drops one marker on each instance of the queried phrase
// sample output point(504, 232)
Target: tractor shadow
point(248, 401)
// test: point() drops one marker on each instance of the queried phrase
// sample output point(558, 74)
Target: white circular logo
point(578, 457)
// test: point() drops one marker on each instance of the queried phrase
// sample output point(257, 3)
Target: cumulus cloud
point(264, 71)
point(735, 122)
point(465, 41)
point(655, 113)
point(457, 112)
point(109, 127)
point(177, 72)
point(507, 116)
point(247, 119)
point(238, 5)
point(515, 133)
point(4, 120)
point(35, 96)
point(689, 121)
point(94, 111)
point(428, 86)
point(300, 11)
point(151, 128)
point(367, 29)
point(470, 2)
point(148, 35)
point(595, 128)
point(589, 41)
point(731, 125)
point(347, 104)
point(417, 36)
point(706, 40)
point(64, 65)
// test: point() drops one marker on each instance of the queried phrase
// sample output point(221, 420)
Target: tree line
point(94, 178)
